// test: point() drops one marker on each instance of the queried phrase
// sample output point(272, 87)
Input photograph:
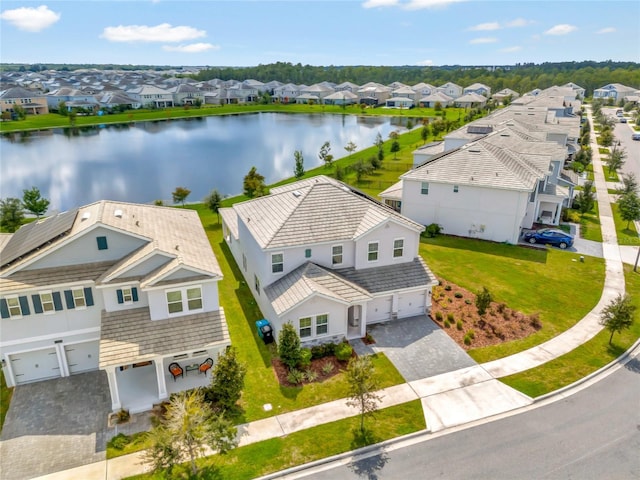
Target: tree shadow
point(370, 467)
point(633, 365)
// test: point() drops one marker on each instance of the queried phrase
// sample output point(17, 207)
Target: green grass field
point(625, 231)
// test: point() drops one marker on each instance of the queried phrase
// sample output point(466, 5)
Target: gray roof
point(131, 336)
point(18, 92)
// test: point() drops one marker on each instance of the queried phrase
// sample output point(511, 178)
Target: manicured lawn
point(585, 359)
point(5, 399)
point(549, 281)
point(261, 385)
point(590, 225)
point(603, 150)
point(625, 231)
point(610, 176)
point(298, 448)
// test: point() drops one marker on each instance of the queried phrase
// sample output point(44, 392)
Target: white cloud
point(511, 49)
point(562, 29)
point(31, 19)
point(160, 33)
point(485, 27)
point(379, 3)
point(420, 4)
point(606, 30)
point(477, 41)
point(518, 22)
point(425, 63)
point(191, 48)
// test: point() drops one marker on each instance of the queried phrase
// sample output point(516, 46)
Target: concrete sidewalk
point(449, 399)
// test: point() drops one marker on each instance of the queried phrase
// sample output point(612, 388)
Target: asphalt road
point(593, 434)
point(622, 132)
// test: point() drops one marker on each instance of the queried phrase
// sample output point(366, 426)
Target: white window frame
point(47, 303)
point(306, 327)
point(185, 302)
point(127, 295)
point(424, 188)
point(174, 302)
point(376, 251)
point(11, 307)
point(79, 300)
point(396, 248)
point(325, 324)
point(274, 263)
point(334, 254)
point(194, 299)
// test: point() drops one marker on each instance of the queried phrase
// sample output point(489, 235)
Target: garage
point(411, 304)
point(379, 310)
point(34, 366)
point(82, 357)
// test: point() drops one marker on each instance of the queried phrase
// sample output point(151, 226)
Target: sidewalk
point(449, 399)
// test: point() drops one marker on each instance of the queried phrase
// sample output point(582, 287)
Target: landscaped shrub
point(447, 324)
point(450, 317)
point(310, 375)
point(467, 339)
point(459, 324)
point(432, 230)
point(448, 288)
point(305, 358)
point(327, 368)
point(483, 300)
point(534, 320)
point(295, 376)
point(343, 351)
point(467, 301)
point(439, 316)
point(471, 334)
point(501, 307)
point(119, 441)
point(457, 295)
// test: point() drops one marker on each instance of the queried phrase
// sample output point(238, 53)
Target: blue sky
point(318, 32)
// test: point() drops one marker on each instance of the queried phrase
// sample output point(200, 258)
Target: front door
point(354, 321)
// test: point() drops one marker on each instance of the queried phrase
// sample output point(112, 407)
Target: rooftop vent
point(296, 193)
point(118, 213)
point(474, 150)
point(86, 216)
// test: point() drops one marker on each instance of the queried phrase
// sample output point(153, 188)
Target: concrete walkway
point(449, 399)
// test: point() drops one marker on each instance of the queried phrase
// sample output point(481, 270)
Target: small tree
point(629, 184)
point(483, 300)
point(629, 207)
point(299, 168)
point(213, 202)
point(395, 148)
point(227, 380)
point(424, 132)
point(351, 147)
point(289, 348)
point(585, 199)
point(11, 214)
point(362, 170)
point(362, 384)
point(324, 155)
point(254, 185)
point(180, 194)
point(606, 137)
point(616, 160)
point(617, 315)
point(381, 154)
point(33, 201)
point(378, 141)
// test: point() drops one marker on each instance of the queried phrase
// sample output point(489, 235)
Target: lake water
point(148, 160)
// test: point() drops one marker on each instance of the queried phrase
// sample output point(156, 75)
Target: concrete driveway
point(417, 347)
point(55, 425)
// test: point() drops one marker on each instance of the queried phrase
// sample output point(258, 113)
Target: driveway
point(580, 245)
point(55, 425)
point(417, 347)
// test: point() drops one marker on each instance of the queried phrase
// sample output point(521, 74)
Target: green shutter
point(102, 243)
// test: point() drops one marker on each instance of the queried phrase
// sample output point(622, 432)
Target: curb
point(340, 456)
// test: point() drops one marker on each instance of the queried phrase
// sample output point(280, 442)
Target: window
point(373, 252)
point(398, 248)
point(277, 263)
point(336, 254)
point(244, 262)
point(322, 324)
point(307, 253)
point(194, 298)
point(14, 307)
point(455, 189)
point(424, 188)
point(127, 295)
point(256, 283)
point(174, 301)
point(102, 243)
point(305, 327)
point(78, 297)
point(46, 299)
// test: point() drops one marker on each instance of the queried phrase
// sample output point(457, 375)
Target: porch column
point(363, 319)
point(162, 384)
point(556, 220)
point(113, 388)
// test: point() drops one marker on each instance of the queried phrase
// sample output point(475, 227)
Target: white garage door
point(411, 304)
point(379, 310)
point(33, 366)
point(82, 357)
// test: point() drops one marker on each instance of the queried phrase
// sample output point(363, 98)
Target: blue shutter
point(102, 243)
point(120, 297)
point(4, 308)
point(134, 294)
point(68, 296)
point(57, 301)
point(88, 296)
point(24, 305)
point(37, 304)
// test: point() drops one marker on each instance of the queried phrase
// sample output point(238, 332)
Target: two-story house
point(152, 96)
point(125, 288)
point(31, 102)
point(328, 259)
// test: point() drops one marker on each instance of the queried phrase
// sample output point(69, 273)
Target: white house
point(120, 287)
point(617, 91)
point(437, 97)
point(150, 95)
point(478, 88)
point(471, 99)
point(328, 259)
point(450, 89)
point(505, 93)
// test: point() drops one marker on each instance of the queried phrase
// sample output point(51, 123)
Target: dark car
point(550, 236)
point(635, 136)
point(623, 120)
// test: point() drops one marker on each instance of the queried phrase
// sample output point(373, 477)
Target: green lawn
point(5, 398)
point(549, 281)
point(625, 231)
point(252, 461)
point(585, 359)
point(590, 225)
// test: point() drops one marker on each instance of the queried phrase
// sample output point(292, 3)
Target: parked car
point(623, 120)
point(550, 236)
point(635, 136)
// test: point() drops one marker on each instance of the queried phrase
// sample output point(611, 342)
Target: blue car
point(550, 236)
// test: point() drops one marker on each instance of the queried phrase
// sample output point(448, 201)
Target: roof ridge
point(508, 158)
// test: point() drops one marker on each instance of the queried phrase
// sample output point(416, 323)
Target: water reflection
point(145, 161)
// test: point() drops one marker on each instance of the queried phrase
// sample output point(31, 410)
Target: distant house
point(504, 94)
point(438, 97)
point(342, 97)
point(349, 86)
point(423, 89)
point(72, 97)
point(113, 100)
point(31, 102)
point(577, 88)
point(287, 93)
point(450, 89)
point(328, 259)
point(185, 94)
point(398, 102)
point(617, 91)
point(373, 94)
point(478, 88)
point(152, 96)
point(469, 100)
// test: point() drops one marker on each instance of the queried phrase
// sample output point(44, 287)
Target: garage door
point(379, 310)
point(82, 357)
point(411, 304)
point(33, 366)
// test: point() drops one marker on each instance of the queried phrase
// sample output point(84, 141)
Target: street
point(622, 132)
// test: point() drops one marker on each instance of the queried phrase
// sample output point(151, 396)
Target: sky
point(318, 32)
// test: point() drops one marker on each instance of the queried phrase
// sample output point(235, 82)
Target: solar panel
point(36, 234)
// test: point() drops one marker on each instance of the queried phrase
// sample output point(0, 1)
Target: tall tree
point(213, 202)
point(11, 214)
point(629, 184)
point(325, 157)
point(618, 315)
point(395, 148)
point(289, 348)
point(585, 199)
point(424, 132)
point(617, 158)
point(298, 171)
point(362, 384)
point(180, 194)
point(351, 147)
point(253, 184)
point(629, 207)
point(227, 380)
point(33, 201)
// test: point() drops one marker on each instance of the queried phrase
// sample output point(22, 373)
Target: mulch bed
point(281, 371)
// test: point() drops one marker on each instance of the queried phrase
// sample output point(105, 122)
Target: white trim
point(341, 254)
point(149, 282)
point(184, 300)
point(281, 272)
point(140, 261)
point(53, 336)
point(377, 251)
point(17, 299)
point(53, 305)
point(393, 249)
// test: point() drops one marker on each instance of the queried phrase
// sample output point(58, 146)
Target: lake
point(146, 161)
